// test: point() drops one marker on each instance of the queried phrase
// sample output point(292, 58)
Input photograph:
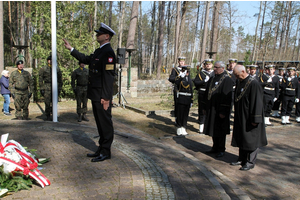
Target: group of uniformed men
point(277, 89)
point(21, 87)
point(256, 95)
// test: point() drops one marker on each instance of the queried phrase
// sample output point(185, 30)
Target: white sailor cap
point(232, 60)
point(207, 61)
point(281, 68)
point(181, 58)
point(270, 66)
point(252, 66)
point(105, 29)
point(291, 68)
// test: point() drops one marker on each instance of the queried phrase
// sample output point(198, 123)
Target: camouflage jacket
point(20, 82)
point(45, 78)
point(81, 77)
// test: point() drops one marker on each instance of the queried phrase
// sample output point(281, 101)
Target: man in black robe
point(218, 97)
point(249, 131)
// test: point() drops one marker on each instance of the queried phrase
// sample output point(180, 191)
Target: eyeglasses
point(216, 67)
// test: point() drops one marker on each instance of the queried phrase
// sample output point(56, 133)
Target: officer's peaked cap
point(232, 60)
point(269, 66)
point(291, 68)
point(208, 61)
point(104, 29)
point(181, 58)
point(19, 62)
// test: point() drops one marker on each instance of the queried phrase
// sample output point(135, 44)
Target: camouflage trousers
point(21, 102)
point(81, 99)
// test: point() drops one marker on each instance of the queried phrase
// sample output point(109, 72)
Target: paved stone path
point(144, 167)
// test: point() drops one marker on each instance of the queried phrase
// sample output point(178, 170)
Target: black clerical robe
point(218, 97)
point(248, 109)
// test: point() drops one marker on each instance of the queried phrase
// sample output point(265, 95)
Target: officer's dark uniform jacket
point(233, 78)
point(290, 88)
point(173, 77)
point(185, 90)
point(270, 88)
point(199, 81)
point(102, 65)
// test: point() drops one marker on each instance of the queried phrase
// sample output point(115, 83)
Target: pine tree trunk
point(205, 32)
point(160, 37)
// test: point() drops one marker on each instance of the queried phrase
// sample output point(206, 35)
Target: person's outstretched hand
point(67, 44)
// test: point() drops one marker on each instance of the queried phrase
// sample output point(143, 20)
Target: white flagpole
point(54, 62)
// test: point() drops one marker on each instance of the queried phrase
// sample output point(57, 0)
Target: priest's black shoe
point(96, 154)
point(236, 163)
point(211, 151)
point(247, 167)
point(101, 157)
point(220, 154)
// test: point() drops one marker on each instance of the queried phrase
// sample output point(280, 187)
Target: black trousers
point(175, 102)
point(287, 105)
point(248, 157)
point(182, 114)
point(297, 112)
point(201, 107)
point(219, 143)
point(105, 128)
point(268, 104)
point(277, 103)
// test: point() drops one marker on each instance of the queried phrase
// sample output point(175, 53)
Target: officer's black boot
point(84, 117)
point(79, 117)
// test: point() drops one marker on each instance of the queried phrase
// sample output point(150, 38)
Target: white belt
point(185, 94)
point(290, 89)
point(268, 88)
point(202, 89)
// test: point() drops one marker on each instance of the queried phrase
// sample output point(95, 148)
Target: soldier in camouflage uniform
point(45, 82)
point(21, 87)
point(80, 75)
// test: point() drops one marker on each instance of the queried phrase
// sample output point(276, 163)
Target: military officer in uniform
point(290, 94)
point(172, 78)
point(102, 65)
point(232, 64)
point(21, 88)
point(275, 109)
point(252, 71)
point(80, 76)
point(270, 83)
point(185, 99)
point(45, 82)
point(200, 83)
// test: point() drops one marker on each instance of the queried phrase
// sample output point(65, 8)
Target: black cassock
point(248, 108)
point(218, 97)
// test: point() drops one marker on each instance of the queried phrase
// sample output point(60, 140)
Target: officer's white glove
point(191, 104)
point(269, 80)
point(206, 78)
point(274, 99)
point(181, 74)
point(296, 100)
point(289, 78)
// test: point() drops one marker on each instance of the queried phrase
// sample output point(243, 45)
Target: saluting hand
point(105, 103)
point(67, 44)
